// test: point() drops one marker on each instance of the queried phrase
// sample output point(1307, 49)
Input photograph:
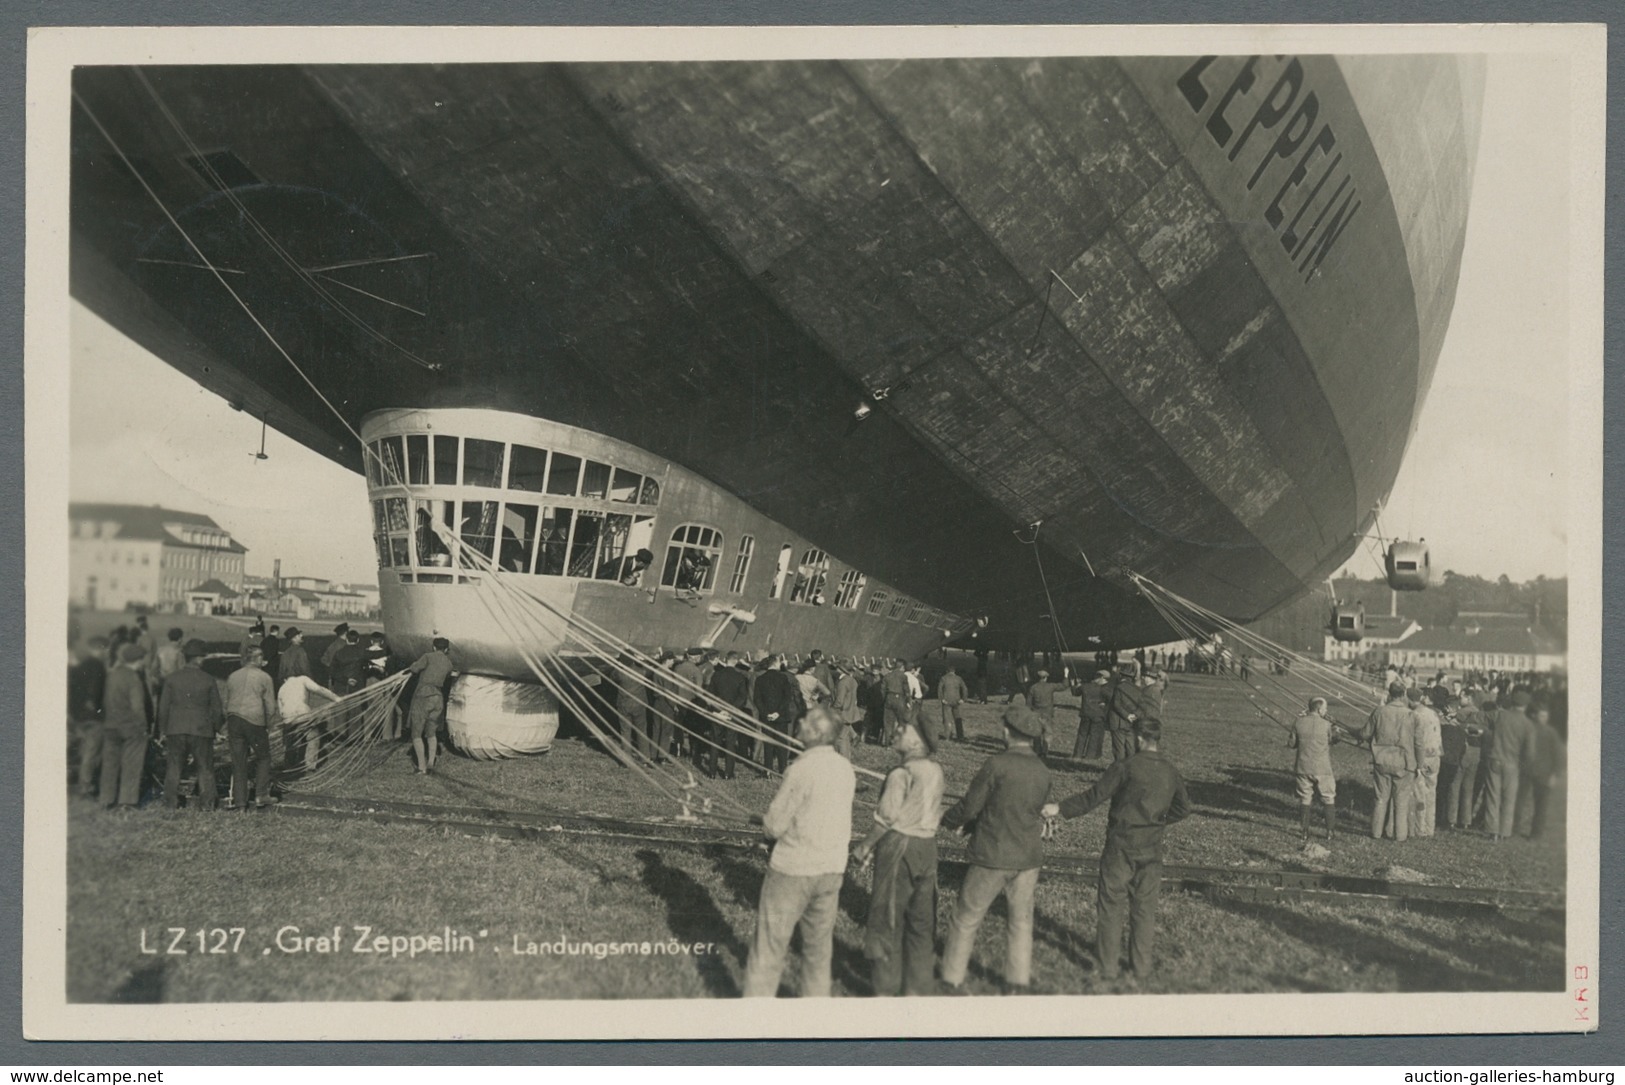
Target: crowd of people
point(1475, 752)
point(1479, 750)
point(137, 704)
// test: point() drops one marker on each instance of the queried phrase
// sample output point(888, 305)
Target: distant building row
point(1477, 640)
point(146, 556)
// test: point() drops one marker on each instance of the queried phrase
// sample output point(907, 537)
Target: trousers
point(89, 734)
point(903, 916)
point(958, 718)
point(1091, 737)
point(124, 756)
point(789, 901)
point(1391, 809)
point(249, 741)
point(982, 887)
point(1122, 744)
point(1462, 791)
point(1128, 890)
point(1501, 798)
point(1425, 794)
point(201, 750)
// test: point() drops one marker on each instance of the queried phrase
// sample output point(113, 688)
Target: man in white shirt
point(810, 822)
point(299, 696)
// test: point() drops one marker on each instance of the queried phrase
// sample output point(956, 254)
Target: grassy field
point(151, 870)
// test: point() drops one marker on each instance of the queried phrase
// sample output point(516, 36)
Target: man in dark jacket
point(190, 714)
point(1122, 709)
point(87, 682)
point(1146, 795)
point(271, 652)
point(731, 684)
point(1091, 717)
point(124, 729)
point(1001, 808)
point(778, 706)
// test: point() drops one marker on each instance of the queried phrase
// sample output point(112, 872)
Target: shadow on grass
point(1413, 971)
point(693, 916)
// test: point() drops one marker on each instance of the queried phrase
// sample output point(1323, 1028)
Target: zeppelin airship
point(860, 355)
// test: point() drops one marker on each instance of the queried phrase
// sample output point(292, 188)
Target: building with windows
point(1382, 633)
point(1483, 641)
point(123, 556)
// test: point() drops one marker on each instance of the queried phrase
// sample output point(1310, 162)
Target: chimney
point(276, 576)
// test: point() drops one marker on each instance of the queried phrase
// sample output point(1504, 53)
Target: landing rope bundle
point(1280, 703)
point(349, 736)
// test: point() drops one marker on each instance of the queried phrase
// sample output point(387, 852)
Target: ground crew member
point(251, 709)
point(731, 684)
point(124, 729)
point(1391, 730)
point(1002, 809)
point(1512, 743)
point(1461, 797)
point(1312, 737)
point(1091, 717)
point(1429, 749)
point(1147, 795)
point(1041, 699)
point(190, 714)
point(899, 940)
point(429, 703)
point(1122, 708)
point(951, 693)
point(87, 686)
point(898, 703)
point(810, 823)
point(777, 704)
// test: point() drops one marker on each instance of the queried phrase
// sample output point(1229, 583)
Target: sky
point(1484, 479)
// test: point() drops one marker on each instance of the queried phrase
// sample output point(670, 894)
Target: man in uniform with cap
point(810, 823)
point(1041, 699)
point(1312, 737)
point(124, 729)
point(190, 714)
point(1001, 809)
point(1147, 795)
point(903, 899)
point(1091, 717)
point(330, 653)
point(895, 683)
point(1122, 709)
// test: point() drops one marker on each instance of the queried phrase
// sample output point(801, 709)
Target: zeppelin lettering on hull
point(1274, 133)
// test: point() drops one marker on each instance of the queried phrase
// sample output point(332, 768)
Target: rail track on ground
point(1236, 883)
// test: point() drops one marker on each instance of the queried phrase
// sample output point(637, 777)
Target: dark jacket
point(191, 704)
point(1147, 795)
point(87, 680)
point(777, 692)
point(295, 661)
point(1002, 807)
point(732, 685)
point(1123, 706)
point(124, 700)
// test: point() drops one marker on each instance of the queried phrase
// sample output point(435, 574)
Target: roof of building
point(149, 522)
point(1502, 639)
point(214, 586)
point(304, 595)
point(1386, 625)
